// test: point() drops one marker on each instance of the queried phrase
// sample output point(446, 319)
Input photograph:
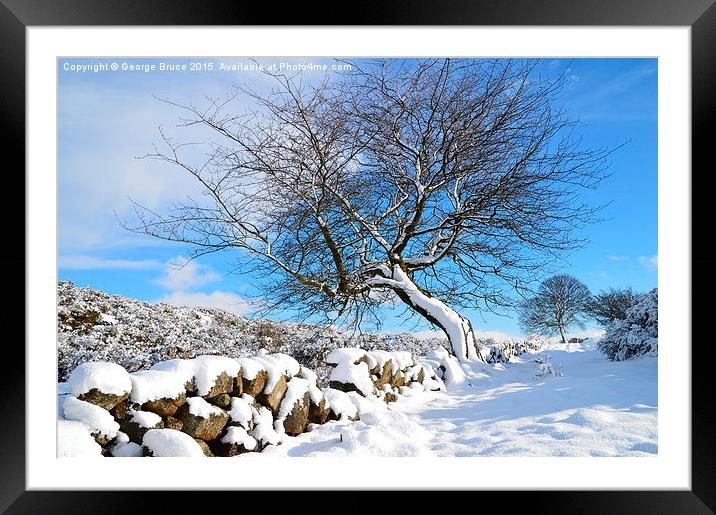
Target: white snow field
point(597, 408)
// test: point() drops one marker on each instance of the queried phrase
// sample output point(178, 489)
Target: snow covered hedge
point(219, 406)
point(637, 334)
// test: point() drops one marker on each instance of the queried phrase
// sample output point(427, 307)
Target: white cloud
point(103, 128)
point(217, 299)
point(617, 258)
point(651, 263)
point(83, 262)
point(182, 274)
point(624, 81)
point(103, 131)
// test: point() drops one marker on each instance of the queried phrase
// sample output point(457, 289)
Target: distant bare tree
point(434, 182)
point(560, 302)
point(611, 305)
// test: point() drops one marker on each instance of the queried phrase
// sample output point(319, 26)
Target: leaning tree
point(561, 301)
point(437, 183)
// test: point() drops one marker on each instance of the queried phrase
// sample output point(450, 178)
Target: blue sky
point(108, 118)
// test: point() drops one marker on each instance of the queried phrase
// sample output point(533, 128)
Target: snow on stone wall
point(505, 351)
point(219, 406)
point(380, 373)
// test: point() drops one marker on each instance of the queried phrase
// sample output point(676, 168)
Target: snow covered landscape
point(597, 408)
point(552, 399)
point(359, 257)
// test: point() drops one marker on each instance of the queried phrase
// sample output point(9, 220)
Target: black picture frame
point(700, 15)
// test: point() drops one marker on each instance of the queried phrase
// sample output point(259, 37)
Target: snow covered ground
point(597, 408)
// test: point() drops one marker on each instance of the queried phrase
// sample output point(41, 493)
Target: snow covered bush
point(95, 326)
point(497, 355)
point(546, 368)
point(534, 343)
point(637, 334)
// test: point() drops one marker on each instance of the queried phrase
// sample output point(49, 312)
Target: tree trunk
point(457, 328)
point(561, 331)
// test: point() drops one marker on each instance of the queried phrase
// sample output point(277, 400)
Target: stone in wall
point(223, 400)
point(173, 423)
point(272, 400)
point(104, 400)
point(135, 431)
point(165, 407)
point(256, 385)
point(383, 373)
point(223, 384)
point(297, 419)
point(318, 413)
point(200, 427)
point(204, 448)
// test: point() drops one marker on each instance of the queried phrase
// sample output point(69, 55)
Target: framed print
point(429, 243)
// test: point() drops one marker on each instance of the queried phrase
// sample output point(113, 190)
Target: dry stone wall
point(505, 351)
point(219, 406)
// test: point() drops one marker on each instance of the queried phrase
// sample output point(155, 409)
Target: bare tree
point(611, 305)
point(560, 302)
point(435, 183)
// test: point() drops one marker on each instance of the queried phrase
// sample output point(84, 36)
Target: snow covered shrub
point(95, 326)
point(497, 355)
point(534, 343)
point(637, 334)
point(546, 368)
point(270, 338)
point(514, 348)
point(486, 343)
